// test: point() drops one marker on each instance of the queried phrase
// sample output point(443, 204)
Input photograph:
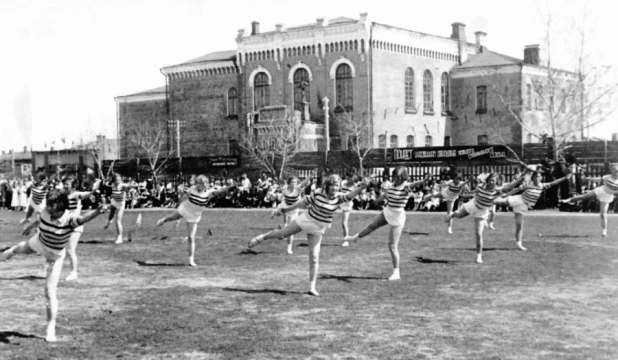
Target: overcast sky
point(64, 61)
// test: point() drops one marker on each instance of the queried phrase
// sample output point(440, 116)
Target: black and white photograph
point(196, 179)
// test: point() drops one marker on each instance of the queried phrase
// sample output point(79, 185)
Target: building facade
point(410, 89)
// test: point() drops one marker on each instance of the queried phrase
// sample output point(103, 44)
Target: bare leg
point(376, 223)
point(291, 237)
point(603, 212)
point(291, 229)
point(479, 224)
point(21, 248)
point(53, 275)
point(191, 229)
point(29, 213)
point(590, 195)
point(112, 213)
point(492, 215)
point(314, 259)
point(73, 255)
point(345, 218)
point(174, 216)
point(119, 225)
point(449, 211)
point(393, 246)
point(460, 213)
point(519, 230)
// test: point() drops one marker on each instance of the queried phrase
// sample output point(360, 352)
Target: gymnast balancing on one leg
point(55, 226)
point(320, 205)
point(393, 214)
point(191, 206)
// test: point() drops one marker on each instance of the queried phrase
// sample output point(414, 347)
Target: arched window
point(482, 140)
point(410, 141)
point(343, 88)
point(481, 99)
point(528, 96)
point(261, 91)
point(410, 105)
point(428, 93)
point(394, 141)
point(428, 141)
point(301, 90)
point(382, 141)
point(444, 91)
point(232, 102)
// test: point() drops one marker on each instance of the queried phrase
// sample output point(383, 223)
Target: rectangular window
point(528, 96)
point(481, 99)
point(482, 140)
point(233, 148)
point(447, 141)
point(428, 141)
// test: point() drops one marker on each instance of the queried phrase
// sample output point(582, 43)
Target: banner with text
point(451, 153)
point(223, 161)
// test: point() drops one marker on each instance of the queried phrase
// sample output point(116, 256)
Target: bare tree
point(150, 138)
point(556, 105)
point(357, 133)
point(273, 143)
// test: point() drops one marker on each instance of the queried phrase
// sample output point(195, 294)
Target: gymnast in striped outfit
point(347, 185)
point(36, 203)
point(393, 214)
point(55, 225)
point(529, 194)
point(450, 193)
point(118, 204)
point(193, 202)
point(75, 208)
point(290, 195)
point(480, 206)
point(604, 193)
point(321, 204)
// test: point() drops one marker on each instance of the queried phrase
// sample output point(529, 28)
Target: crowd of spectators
point(265, 191)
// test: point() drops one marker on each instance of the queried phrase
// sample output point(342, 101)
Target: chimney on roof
point(25, 149)
point(241, 34)
point(279, 27)
point(459, 34)
point(3, 152)
point(363, 17)
point(320, 22)
point(532, 54)
point(480, 39)
point(255, 28)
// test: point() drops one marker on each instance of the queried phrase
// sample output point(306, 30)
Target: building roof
point(489, 58)
point(341, 19)
point(213, 56)
point(157, 90)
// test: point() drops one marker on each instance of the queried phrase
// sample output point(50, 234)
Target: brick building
point(411, 89)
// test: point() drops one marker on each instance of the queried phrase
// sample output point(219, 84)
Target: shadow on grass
point(4, 248)
point(143, 263)
point(494, 249)
point(5, 335)
point(27, 277)
point(264, 291)
point(96, 242)
point(321, 245)
point(415, 233)
point(564, 236)
point(251, 252)
point(348, 278)
point(423, 260)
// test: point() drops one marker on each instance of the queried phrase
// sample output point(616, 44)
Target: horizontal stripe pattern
point(397, 197)
point(321, 208)
point(55, 234)
point(38, 194)
point(118, 194)
point(455, 189)
point(198, 200)
point(484, 199)
point(532, 193)
point(610, 184)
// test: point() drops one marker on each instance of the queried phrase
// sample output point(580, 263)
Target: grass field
point(558, 300)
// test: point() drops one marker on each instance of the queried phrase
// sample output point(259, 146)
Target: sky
point(64, 61)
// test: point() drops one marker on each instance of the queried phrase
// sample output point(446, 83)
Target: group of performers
point(60, 223)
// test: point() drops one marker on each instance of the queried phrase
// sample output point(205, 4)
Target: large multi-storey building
point(409, 88)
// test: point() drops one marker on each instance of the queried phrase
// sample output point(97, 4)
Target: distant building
point(412, 89)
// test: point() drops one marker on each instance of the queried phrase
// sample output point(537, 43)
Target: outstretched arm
point(223, 190)
point(352, 194)
point(300, 204)
point(81, 220)
point(556, 182)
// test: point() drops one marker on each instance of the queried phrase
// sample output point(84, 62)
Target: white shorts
point(475, 212)
point(603, 195)
point(518, 204)
point(118, 204)
point(188, 215)
point(394, 218)
point(346, 206)
point(309, 225)
point(448, 196)
point(290, 215)
point(50, 254)
point(37, 208)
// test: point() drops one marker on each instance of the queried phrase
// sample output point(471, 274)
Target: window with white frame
point(343, 89)
point(232, 102)
point(444, 91)
point(428, 141)
point(410, 106)
point(394, 141)
point(382, 141)
point(261, 91)
point(428, 93)
point(410, 141)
